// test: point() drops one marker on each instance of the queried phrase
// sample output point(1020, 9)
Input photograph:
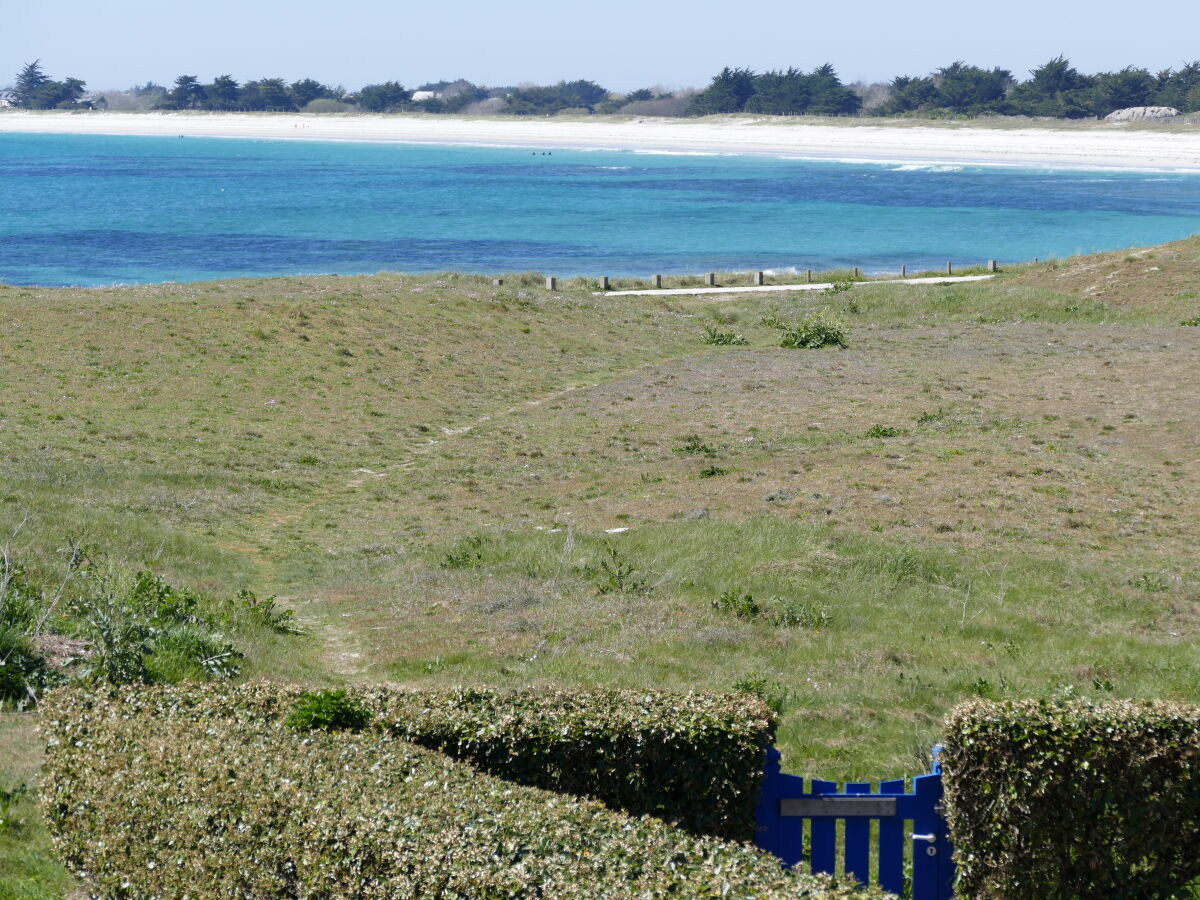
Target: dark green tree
point(780, 93)
point(970, 89)
point(728, 93)
point(1180, 89)
point(387, 97)
point(306, 90)
point(268, 94)
point(223, 93)
point(35, 90)
point(1056, 89)
point(909, 94)
point(30, 82)
point(188, 93)
point(1120, 90)
point(829, 96)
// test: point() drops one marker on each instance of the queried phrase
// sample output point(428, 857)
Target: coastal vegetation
point(989, 493)
point(1056, 89)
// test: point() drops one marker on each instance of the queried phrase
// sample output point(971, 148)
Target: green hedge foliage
point(204, 803)
point(694, 760)
point(1056, 800)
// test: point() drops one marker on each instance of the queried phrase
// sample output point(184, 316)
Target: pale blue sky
point(623, 44)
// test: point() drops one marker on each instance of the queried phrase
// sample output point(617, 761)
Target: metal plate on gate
point(840, 806)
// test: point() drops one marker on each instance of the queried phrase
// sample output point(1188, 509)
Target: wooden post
point(710, 279)
point(551, 283)
point(758, 279)
point(657, 279)
point(808, 275)
point(856, 272)
point(1035, 259)
point(949, 268)
point(496, 282)
point(903, 270)
point(604, 286)
point(992, 267)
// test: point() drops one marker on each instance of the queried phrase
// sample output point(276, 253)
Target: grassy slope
point(1031, 525)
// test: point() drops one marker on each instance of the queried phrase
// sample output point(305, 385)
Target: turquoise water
point(92, 210)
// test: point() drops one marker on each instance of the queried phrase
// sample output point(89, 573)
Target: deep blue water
point(97, 210)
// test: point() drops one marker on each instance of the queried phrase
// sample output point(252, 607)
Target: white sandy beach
point(1098, 147)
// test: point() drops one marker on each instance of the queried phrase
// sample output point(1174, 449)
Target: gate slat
point(891, 844)
point(824, 834)
point(858, 840)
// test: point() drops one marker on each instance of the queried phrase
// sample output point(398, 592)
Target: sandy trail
point(1100, 146)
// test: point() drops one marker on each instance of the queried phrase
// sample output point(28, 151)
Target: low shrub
point(1065, 799)
point(694, 760)
point(253, 810)
point(1192, 322)
point(23, 672)
point(722, 338)
point(813, 332)
point(328, 711)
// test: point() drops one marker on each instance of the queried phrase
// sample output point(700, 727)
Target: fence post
point(992, 267)
point(496, 282)
point(903, 270)
point(657, 280)
point(758, 278)
point(711, 279)
point(949, 268)
point(551, 283)
point(857, 274)
point(808, 275)
point(604, 286)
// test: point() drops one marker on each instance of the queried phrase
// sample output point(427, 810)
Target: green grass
point(993, 490)
point(28, 870)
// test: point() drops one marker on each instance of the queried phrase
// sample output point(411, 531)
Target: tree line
point(1054, 89)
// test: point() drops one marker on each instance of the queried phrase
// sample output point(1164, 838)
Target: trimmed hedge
point(217, 806)
point(1056, 800)
point(694, 760)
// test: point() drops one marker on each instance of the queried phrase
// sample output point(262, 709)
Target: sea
point(103, 210)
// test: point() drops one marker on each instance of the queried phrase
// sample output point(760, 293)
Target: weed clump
point(328, 711)
point(616, 575)
point(722, 338)
point(1194, 322)
point(693, 445)
point(813, 332)
point(466, 554)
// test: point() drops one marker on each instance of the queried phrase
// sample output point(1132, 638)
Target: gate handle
point(931, 838)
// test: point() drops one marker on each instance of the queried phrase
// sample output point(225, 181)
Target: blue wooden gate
point(785, 806)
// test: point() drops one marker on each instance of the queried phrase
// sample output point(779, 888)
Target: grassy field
point(994, 490)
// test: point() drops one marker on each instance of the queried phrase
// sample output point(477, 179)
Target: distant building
point(7, 98)
point(418, 96)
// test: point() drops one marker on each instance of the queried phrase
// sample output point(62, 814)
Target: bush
point(328, 711)
point(722, 338)
point(245, 809)
point(812, 332)
point(23, 672)
point(694, 760)
point(1065, 799)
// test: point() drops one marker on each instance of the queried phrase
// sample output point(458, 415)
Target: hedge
point(694, 760)
point(142, 806)
point(1056, 800)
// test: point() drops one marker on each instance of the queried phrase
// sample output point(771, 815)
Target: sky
point(622, 44)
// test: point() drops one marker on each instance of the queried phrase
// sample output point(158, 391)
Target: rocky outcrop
point(1138, 113)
